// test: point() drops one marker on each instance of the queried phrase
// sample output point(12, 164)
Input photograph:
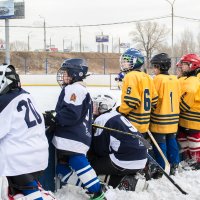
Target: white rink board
point(46, 97)
point(99, 80)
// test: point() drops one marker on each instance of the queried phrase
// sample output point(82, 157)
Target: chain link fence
point(49, 63)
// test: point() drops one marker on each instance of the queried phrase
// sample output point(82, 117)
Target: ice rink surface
point(46, 97)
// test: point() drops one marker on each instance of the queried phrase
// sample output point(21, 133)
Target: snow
point(161, 189)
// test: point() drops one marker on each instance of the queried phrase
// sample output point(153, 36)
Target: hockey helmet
point(76, 68)
point(131, 59)
point(161, 61)
point(9, 79)
point(193, 60)
point(103, 103)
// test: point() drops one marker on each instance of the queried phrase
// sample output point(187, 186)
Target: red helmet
point(192, 59)
point(178, 64)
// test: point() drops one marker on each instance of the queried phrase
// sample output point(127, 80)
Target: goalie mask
point(9, 79)
point(71, 71)
point(131, 59)
point(103, 103)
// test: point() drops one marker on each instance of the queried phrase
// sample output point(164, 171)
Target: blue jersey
point(74, 118)
point(124, 151)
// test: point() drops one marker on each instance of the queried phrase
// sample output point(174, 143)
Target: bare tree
point(186, 43)
point(148, 37)
point(18, 46)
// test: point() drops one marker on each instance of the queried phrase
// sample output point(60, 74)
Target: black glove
point(49, 118)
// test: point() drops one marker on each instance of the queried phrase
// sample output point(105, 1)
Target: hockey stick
point(144, 141)
point(167, 165)
point(167, 176)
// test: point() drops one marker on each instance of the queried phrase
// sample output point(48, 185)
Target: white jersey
point(23, 143)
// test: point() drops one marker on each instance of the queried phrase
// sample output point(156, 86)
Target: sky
point(92, 12)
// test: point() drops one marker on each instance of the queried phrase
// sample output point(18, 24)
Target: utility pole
point(63, 44)
point(119, 45)
point(102, 44)
point(172, 39)
point(29, 34)
point(45, 45)
point(44, 27)
point(7, 59)
point(28, 42)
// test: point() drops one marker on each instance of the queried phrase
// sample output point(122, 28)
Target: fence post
point(104, 66)
point(25, 66)
point(46, 66)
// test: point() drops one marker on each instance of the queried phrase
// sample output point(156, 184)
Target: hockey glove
point(49, 118)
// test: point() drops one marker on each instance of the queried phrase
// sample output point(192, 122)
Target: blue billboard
point(6, 9)
point(102, 38)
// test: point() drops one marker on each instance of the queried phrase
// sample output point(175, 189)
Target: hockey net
point(114, 85)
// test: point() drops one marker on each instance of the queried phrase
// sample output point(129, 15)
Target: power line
point(92, 25)
point(187, 18)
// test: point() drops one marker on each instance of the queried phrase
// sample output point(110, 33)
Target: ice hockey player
point(165, 118)
point(72, 137)
point(24, 146)
point(113, 154)
point(139, 95)
point(189, 124)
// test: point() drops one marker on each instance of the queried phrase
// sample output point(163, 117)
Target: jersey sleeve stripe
point(155, 98)
point(132, 99)
point(138, 122)
point(140, 114)
point(169, 115)
point(131, 104)
point(164, 123)
point(190, 118)
point(165, 119)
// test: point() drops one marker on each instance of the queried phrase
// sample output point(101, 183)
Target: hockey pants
point(169, 147)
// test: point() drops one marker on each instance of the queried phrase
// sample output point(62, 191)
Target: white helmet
point(103, 103)
point(9, 79)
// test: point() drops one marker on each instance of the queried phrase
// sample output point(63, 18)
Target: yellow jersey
point(165, 118)
point(190, 103)
point(138, 98)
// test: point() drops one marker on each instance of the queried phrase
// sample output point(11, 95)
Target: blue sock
point(85, 172)
point(27, 192)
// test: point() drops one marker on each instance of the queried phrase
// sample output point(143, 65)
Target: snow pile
point(161, 189)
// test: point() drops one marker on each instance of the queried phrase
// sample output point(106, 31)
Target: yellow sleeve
point(130, 98)
point(190, 95)
point(155, 88)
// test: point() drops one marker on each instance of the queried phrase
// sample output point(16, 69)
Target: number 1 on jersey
point(171, 95)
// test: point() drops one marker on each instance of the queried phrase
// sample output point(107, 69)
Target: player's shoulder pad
point(75, 94)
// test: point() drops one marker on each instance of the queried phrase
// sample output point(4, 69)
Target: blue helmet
point(131, 59)
point(76, 68)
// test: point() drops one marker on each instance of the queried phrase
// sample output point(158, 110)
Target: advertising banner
point(124, 45)
point(6, 9)
point(102, 38)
